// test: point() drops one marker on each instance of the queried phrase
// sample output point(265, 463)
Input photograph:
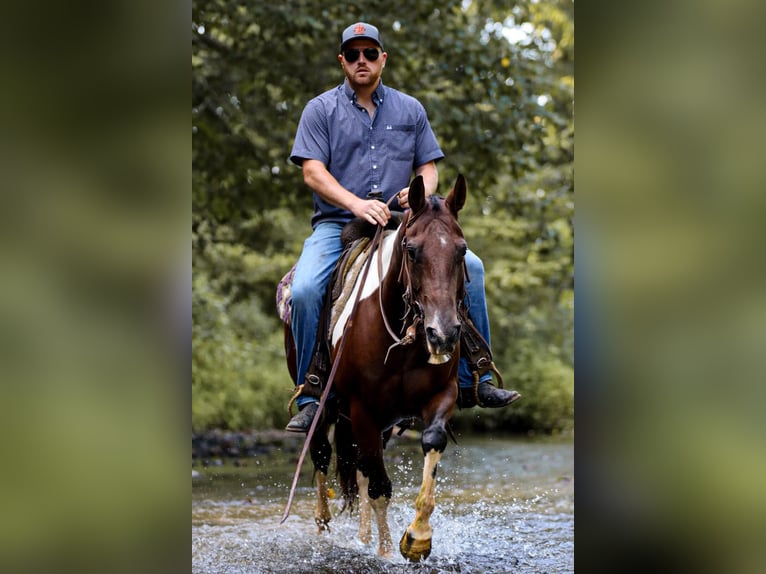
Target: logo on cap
point(359, 29)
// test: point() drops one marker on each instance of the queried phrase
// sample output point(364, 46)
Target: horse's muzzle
point(442, 342)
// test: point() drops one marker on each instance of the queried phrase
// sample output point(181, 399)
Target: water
point(502, 506)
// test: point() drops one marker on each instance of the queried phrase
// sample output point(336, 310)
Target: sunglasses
point(352, 54)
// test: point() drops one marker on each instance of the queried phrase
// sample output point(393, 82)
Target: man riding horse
point(354, 140)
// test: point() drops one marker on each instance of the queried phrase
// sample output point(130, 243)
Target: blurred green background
point(671, 297)
point(95, 300)
point(497, 83)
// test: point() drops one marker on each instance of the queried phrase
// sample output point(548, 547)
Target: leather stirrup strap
point(475, 348)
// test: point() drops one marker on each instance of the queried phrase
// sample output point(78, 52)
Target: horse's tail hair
point(345, 451)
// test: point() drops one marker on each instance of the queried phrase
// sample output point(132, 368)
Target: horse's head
point(433, 265)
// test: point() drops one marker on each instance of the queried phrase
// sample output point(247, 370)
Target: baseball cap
point(360, 30)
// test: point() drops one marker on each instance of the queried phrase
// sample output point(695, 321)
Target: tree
point(497, 83)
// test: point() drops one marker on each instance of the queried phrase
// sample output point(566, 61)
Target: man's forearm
point(321, 181)
point(430, 175)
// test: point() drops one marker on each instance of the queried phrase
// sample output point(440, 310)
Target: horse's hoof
point(412, 549)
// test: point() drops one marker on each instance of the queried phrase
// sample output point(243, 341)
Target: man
point(358, 138)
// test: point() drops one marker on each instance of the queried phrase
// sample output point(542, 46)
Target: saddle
point(355, 239)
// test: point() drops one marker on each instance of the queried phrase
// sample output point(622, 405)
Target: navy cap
point(360, 30)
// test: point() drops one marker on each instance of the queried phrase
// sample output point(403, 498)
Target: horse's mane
point(358, 228)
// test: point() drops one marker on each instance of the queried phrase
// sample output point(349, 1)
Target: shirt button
point(375, 186)
point(372, 147)
point(375, 167)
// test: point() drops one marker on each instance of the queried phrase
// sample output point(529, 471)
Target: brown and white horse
point(414, 290)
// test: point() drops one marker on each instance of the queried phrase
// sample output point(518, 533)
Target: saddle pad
point(346, 280)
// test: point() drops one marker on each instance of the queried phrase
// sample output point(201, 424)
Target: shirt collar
point(377, 95)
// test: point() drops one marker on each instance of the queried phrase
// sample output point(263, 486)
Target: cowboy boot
point(485, 395)
point(312, 388)
point(302, 421)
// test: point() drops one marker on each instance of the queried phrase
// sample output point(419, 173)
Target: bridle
point(411, 305)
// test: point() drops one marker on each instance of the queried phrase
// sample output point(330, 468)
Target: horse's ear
point(456, 197)
point(417, 194)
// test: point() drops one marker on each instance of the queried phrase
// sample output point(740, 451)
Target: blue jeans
point(321, 251)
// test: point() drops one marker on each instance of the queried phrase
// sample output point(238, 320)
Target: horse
point(416, 287)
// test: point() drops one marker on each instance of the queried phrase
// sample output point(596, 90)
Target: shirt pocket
point(401, 141)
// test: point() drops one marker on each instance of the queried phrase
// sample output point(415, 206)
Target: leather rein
point(409, 302)
point(375, 245)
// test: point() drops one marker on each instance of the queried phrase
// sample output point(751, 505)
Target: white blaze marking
point(370, 286)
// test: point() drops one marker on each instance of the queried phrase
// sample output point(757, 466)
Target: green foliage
point(503, 113)
point(235, 364)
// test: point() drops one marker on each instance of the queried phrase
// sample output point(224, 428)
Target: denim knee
point(306, 294)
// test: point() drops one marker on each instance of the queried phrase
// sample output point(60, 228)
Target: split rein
point(325, 393)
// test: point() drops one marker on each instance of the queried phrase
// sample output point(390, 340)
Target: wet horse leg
point(374, 484)
point(385, 543)
point(415, 544)
point(322, 515)
point(365, 510)
point(321, 451)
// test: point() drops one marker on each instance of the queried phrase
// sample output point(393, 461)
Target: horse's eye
point(411, 251)
point(462, 250)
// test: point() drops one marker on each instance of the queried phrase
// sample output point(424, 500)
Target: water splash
point(510, 512)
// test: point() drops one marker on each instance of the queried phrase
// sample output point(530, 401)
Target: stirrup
point(484, 364)
point(312, 380)
point(298, 391)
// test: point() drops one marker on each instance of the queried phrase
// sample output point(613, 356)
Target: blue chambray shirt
point(364, 154)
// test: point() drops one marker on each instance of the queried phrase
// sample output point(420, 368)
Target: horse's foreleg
point(385, 544)
point(380, 506)
point(375, 487)
point(365, 512)
point(416, 541)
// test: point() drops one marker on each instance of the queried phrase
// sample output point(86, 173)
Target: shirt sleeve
point(426, 147)
point(312, 140)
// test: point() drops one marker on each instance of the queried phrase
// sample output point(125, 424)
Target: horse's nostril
point(432, 335)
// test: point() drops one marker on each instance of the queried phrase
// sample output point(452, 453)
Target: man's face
point(363, 71)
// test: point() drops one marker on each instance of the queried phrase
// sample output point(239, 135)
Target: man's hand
point(403, 198)
point(372, 210)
